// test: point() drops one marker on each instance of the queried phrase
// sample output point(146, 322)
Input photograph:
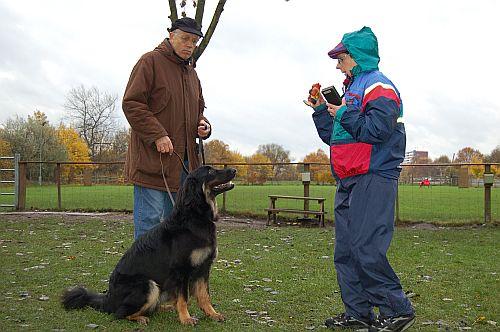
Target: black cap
point(187, 24)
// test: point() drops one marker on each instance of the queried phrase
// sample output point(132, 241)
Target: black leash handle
point(201, 150)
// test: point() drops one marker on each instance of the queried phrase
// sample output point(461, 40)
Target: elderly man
point(367, 144)
point(163, 104)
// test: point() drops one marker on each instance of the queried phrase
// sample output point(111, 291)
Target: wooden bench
point(273, 210)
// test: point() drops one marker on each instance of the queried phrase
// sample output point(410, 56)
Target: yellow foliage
point(476, 171)
point(77, 150)
point(5, 148)
point(319, 173)
point(258, 173)
point(5, 151)
point(241, 171)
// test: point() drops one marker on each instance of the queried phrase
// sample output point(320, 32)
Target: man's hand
point(164, 145)
point(332, 109)
point(203, 129)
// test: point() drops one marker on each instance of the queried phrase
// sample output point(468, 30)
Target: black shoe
point(392, 324)
point(344, 321)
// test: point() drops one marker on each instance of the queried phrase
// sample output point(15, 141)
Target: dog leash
point(165, 179)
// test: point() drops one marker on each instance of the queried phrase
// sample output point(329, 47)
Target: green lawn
point(265, 279)
point(438, 204)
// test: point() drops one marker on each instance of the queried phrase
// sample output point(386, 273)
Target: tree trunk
point(211, 28)
point(173, 10)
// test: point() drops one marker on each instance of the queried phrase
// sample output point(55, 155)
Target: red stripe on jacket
point(377, 92)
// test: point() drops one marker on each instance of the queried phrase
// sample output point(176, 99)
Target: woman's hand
point(332, 109)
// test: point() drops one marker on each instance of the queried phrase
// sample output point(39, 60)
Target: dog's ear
point(191, 194)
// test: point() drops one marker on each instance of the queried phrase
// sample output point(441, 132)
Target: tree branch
point(200, 8)
point(215, 19)
point(173, 10)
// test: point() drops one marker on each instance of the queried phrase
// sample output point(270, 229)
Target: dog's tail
point(80, 297)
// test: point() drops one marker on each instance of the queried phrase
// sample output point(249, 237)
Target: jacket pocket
point(148, 161)
point(159, 100)
point(350, 159)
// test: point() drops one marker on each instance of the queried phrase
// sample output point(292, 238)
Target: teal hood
point(362, 45)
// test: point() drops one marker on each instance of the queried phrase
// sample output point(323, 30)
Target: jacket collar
point(166, 49)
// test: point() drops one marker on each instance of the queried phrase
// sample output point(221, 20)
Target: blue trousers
point(364, 226)
point(152, 206)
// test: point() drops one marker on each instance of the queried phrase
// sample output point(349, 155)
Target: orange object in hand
point(314, 93)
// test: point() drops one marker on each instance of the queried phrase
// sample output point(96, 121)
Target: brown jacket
point(163, 98)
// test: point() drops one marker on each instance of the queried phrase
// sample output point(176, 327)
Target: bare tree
point(92, 114)
point(276, 154)
point(200, 8)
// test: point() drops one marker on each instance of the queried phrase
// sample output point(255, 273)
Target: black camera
point(331, 95)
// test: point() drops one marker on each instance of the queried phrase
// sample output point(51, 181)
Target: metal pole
point(17, 157)
point(58, 182)
point(22, 186)
point(41, 146)
point(223, 194)
point(306, 188)
point(487, 196)
point(40, 166)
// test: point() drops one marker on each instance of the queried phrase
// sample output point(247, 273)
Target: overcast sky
point(262, 60)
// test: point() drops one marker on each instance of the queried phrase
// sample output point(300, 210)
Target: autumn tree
point(199, 7)
point(470, 155)
point(467, 155)
point(117, 147)
point(5, 151)
point(77, 150)
point(92, 113)
point(258, 174)
point(444, 159)
point(216, 151)
point(34, 138)
point(477, 171)
point(319, 173)
point(241, 170)
point(276, 154)
point(494, 157)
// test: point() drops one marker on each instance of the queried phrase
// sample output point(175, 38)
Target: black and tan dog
point(170, 262)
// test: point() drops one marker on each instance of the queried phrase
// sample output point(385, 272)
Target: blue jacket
point(367, 135)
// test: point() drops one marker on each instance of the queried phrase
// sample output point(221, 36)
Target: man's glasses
point(186, 39)
point(341, 60)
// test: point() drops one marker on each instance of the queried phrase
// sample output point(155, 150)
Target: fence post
point(307, 169)
point(21, 200)
point(17, 158)
point(58, 183)
point(488, 183)
point(223, 210)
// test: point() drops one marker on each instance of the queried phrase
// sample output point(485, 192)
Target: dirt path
point(227, 221)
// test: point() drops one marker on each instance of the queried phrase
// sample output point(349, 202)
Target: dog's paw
point(189, 321)
point(218, 317)
point(142, 320)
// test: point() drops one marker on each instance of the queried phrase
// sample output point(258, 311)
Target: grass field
point(438, 204)
point(265, 279)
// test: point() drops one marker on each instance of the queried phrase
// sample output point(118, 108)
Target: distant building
point(415, 156)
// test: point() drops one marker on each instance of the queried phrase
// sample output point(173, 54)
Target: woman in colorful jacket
point(367, 145)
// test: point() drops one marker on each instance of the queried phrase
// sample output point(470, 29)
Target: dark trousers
point(364, 226)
